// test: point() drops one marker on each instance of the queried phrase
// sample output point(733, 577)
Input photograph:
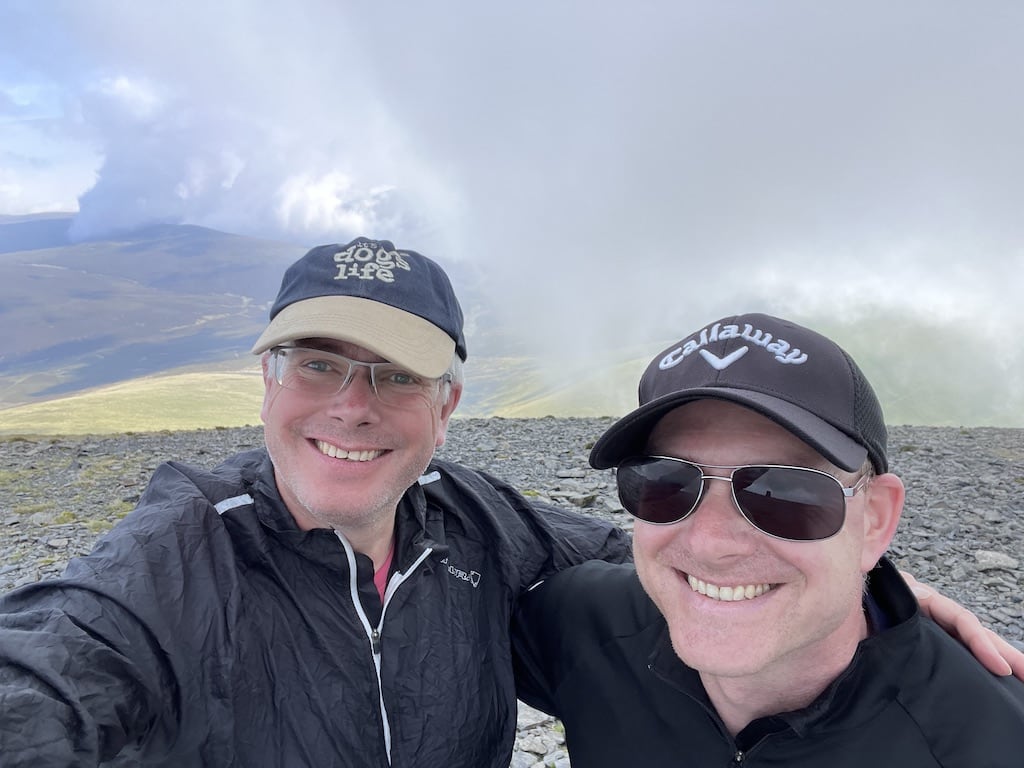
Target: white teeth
point(727, 594)
point(337, 453)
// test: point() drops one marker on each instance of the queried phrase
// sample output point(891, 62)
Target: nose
point(716, 530)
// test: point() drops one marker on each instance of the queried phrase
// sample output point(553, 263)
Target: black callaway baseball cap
point(796, 377)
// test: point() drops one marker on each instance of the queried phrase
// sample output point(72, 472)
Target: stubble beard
point(362, 508)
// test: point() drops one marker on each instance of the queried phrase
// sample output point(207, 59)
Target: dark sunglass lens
point(658, 490)
point(790, 503)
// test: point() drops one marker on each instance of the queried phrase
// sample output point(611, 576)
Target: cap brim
point(628, 436)
point(396, 335)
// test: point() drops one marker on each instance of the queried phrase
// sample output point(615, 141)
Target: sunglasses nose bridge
point(721, 496)
point(706, 488)
point(715, 530)
point(730, 491)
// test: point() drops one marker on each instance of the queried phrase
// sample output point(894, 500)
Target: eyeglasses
point(316, 373)
point(792, 503)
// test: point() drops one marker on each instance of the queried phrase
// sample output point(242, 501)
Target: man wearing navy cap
point(337, 599)
point(765, 629)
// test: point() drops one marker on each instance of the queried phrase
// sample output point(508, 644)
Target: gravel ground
point(962, 529)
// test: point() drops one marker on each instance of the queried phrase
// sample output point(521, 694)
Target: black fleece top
point(592, 649)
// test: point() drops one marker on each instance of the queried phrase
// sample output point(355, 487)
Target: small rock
point(987, 560)
point(582, 500)
point(571, 474)
point(529, 717)
point(990, 515)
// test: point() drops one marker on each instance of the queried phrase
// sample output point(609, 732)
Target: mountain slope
point(79, 318)
point(85, 314)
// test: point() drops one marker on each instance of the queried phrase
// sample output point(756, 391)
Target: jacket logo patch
point(471, 576)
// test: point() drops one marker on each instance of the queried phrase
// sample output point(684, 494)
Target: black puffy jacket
point(593, 649)
point(206, 629)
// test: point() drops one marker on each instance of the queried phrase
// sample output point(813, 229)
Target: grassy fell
point(179, 402)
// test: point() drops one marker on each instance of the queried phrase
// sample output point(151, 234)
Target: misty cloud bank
point(620, 174)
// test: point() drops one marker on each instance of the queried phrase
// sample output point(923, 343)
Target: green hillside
point(182, 401)
point(932, 388)
point(509, 387)
point(150, 331)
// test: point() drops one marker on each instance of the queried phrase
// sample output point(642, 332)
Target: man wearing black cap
point(765, 628)
point(338, 599)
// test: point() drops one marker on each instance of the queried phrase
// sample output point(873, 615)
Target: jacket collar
point(417, 525)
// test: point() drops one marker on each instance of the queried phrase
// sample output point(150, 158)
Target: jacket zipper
point(373, 633)
point(739, 757)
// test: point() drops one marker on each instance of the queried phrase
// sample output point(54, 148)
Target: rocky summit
point(962, 529)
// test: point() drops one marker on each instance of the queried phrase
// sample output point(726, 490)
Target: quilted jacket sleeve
point(80, 678)
point(100, 662)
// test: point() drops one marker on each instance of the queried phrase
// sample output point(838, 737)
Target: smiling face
point(344, 461)
point(739, 602)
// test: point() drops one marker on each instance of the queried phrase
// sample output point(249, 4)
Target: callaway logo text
point(784, 352)
point(369, 261)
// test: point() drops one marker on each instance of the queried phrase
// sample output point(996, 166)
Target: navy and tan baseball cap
point(396, 303)
point(796, 377)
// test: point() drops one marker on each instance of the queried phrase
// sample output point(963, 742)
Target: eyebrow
point(821, 463)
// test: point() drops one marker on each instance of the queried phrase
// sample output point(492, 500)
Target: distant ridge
point(96, 312)
point(88, 317)
point(163, 299)
point(35, 231)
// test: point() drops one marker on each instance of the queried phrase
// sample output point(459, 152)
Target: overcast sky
point(624, 171)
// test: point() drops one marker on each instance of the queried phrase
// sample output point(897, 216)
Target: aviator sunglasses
point(792, 503)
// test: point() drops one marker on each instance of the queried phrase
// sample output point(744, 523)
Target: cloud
point(620, 173)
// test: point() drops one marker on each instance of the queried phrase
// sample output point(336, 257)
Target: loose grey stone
point(529, 717)
point(988, 560)
point(963, 499)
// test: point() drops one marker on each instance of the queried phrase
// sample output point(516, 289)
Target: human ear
point(883, 505)
point(268, 381)
point(448, 405)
